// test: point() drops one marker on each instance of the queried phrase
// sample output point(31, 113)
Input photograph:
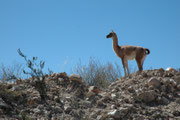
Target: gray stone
point(58, 109)
point(113, 96)
point(115, 114)
point(178, 87)
point(162, 100)
point(165, 100)
point(163, 88)
point(36, 110)
point(147, 96)
point(87, 104)
point(154, 82)
point(67, 108)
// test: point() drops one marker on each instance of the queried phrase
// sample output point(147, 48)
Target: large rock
point(75, 77)
point(147, 96)
point(154, 82)
point(170, 69)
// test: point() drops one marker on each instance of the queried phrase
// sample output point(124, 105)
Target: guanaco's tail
point(147, 51)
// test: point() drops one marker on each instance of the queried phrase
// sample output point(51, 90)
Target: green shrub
point(36, 72)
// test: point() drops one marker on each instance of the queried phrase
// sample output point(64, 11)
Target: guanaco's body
point(128, 52)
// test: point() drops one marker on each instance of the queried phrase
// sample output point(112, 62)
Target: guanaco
point(128, 52)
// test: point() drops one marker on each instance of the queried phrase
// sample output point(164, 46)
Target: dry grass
point(10, 73)
point(98, 74)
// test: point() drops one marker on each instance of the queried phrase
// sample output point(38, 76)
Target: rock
point(162, 100)
point(113, 106)
point(56, 98)
point(147, 96)
point(93, 89)
point(101, 104)
point(178, 87)
point(123, 110)
point(4, 106)
point(67, 109)
point(113, 96)
point(36, 110)
point(171, 88)
point(163, 88)
point(61, 80)
point(58, 109)
point(75, 77)
point(173, 82)
point(75, 114)
point(99, 117)
point(176, 113)
point(115, 114)
point(154, 82)
point(170, 69)
point(131, 89)
point(62, 75)
point(177, 80)
point(87, 104)
point(165, 100)
point(33, 101)
point(90, 94)
point(19, 81)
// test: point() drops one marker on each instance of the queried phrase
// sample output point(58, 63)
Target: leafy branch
point(37, 74)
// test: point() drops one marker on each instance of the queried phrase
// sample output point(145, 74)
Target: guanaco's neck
point(116, 47)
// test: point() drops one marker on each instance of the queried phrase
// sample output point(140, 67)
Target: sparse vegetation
point(36, 72)
point(10, 73)
point(97, 73)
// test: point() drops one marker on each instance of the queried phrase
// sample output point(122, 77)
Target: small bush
point(97, 73)
point(10, 73)
point(37, 74)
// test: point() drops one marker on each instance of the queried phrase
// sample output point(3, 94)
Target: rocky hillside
point(153, 94)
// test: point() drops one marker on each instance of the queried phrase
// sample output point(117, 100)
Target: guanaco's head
point(111, 34)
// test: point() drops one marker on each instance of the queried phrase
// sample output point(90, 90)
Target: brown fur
point(128, 52)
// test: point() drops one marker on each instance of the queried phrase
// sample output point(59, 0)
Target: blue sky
point(63, 31)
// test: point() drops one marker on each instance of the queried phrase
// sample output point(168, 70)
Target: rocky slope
point(153, 94)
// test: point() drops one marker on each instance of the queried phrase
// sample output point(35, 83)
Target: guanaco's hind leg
point(139, 63)
point(142, 60)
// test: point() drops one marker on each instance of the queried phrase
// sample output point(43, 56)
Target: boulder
point(170, 69)
point(75, 77)
point(147, 96)
point(154, 82)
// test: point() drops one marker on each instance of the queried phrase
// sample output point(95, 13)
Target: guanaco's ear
point(112, 31)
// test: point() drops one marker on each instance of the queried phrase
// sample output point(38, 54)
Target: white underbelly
point(131, 56)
